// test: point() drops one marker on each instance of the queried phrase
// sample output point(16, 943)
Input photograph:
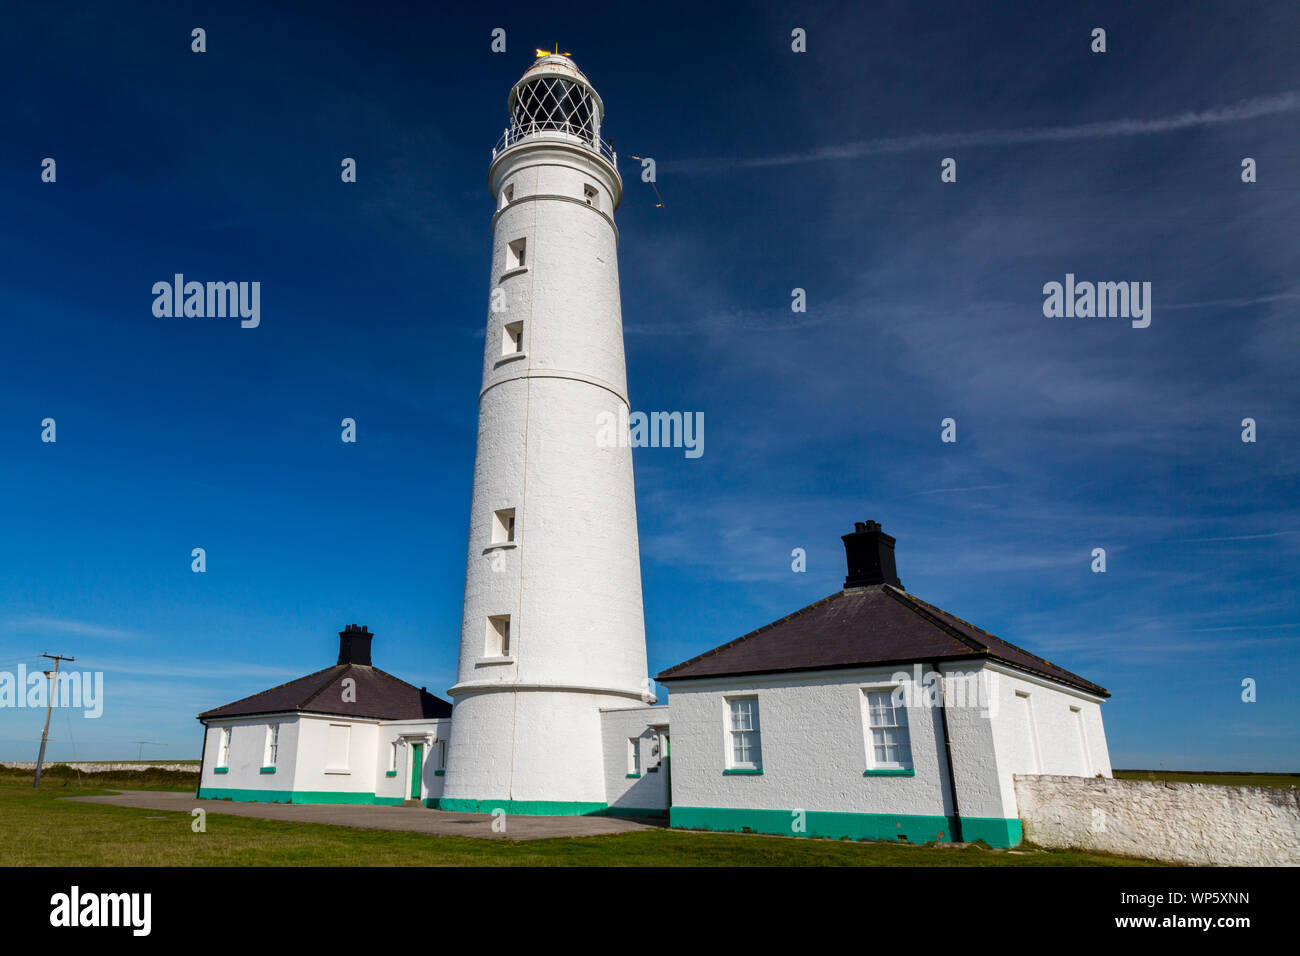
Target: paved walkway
point(371, 817)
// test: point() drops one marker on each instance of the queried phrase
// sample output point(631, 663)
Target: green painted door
point(417, 765)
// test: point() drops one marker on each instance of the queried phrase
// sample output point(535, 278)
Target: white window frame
point(271, 751)
point(590, 195)
point(223, 748)
point(634, 756)
point(1083, 739)
point(346, 766)
point(517, 254)
point(1036, 755)
point(749, 737)
point(512, 338)
point(901, 723)
point(392, 756)
point(496, 638)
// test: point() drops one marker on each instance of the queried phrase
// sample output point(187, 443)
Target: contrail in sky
point(1249, 109)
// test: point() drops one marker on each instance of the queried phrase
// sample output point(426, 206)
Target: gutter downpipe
point(947, 747)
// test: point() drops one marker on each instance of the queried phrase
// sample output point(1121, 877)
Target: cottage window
point(634, 756)
point(891, 744)
point(746, 751)
point(337, 745)
point(272, 745)
point(223, 752)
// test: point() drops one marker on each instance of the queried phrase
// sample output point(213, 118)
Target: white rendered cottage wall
point(814, 747)
point(528, 725)
point(1041, 728)
point(317, 772)
point(648, 789)
point(243, 769)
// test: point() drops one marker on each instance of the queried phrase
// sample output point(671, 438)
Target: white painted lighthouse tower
point(552, 630)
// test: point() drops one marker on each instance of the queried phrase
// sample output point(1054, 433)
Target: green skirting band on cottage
point(532, 808)
point(891, 827)
point(301, 797)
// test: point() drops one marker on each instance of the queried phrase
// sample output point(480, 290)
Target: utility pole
point(139, 754)
point(49, 706)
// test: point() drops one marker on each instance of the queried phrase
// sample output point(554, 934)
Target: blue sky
point(780, 170)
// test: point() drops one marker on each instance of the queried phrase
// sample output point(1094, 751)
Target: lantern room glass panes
point(554, 103)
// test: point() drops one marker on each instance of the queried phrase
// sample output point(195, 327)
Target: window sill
point(440, 773)
point(634, 776)
point(266, 770)
point(501, 546)
point(390, 773)
point(889, 773)
point(489, 661)
point(345, 773)
point(509, 273)
point(757, 772)
point(512, 357)
point(221, 770)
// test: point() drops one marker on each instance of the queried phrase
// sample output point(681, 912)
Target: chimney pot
point(870, 555)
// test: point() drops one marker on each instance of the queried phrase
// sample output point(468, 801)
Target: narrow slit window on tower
point(512, 342)
point(589, 195)
point(507, 196)
point(515, 254)
point(503, 526)
point(498, 636)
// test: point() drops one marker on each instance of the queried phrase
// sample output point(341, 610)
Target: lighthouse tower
point(552, 631)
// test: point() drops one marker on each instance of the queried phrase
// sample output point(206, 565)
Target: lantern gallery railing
point(515, 135)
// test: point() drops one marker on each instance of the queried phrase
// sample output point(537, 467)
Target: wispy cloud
point(1243, 110)
point(70, 628)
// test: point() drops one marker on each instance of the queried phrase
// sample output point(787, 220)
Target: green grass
point(1283, 780)
point(80, 834)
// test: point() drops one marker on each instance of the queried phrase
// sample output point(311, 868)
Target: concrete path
point(370, 817)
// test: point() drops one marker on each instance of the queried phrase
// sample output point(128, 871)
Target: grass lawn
point(1224, 779)
point(37, 829)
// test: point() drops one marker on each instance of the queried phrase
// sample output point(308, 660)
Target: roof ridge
point(756, 631)
point(992, 652)
point(271, 689)
point(320, 690)
point(910, 601)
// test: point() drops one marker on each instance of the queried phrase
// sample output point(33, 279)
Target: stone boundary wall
point(1198, 823)
point(102, 767)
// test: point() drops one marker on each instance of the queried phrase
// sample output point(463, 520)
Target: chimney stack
point(870, 554)
point(354, 645)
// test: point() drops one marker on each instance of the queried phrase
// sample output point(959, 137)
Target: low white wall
point(103, 767)
point(1198, 823)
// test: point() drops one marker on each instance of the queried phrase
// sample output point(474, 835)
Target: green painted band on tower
point(832, 825)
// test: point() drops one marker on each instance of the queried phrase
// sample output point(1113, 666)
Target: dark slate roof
point(865, 627)
point(378, 695)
